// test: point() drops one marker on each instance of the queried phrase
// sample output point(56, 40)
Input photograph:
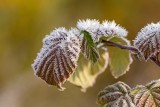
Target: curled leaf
point(148, 40)
point(57, 60)
point(119, 60)
point(116, 95)
point(89, 48)
point(148, 95)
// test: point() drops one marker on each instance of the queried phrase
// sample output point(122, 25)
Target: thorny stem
point(130, 48)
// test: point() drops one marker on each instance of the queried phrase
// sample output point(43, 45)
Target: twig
point(130, 48)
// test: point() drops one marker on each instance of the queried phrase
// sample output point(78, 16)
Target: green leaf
point(116, 95)
point(86, 72)
point(148, 95)
point(88, 47)
point(120, 59)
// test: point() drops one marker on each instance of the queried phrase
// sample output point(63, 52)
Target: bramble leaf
point(86, 72)
point(148, 95)
point(148, 41)
point(116, 95)
point(58, 57)
point(89, 48)
point(119, 60)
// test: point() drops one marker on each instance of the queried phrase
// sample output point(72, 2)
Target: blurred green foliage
point(24, 23)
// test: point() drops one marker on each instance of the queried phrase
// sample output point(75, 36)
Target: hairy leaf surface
point(57, 60)
point(148, 40)
point(116, 95)
point(147, 96)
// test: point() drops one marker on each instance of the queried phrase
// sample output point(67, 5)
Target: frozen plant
point(80, 54)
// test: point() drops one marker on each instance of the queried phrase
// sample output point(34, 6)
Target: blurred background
point(23, 25)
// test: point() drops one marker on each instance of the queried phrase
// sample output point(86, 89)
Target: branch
point(130, 48)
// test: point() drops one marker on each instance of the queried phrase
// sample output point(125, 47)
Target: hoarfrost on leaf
point(97, 30)
point(116, 95)
point(110, 28)
point(92, 26)
point(148, 40)
point(58, 57)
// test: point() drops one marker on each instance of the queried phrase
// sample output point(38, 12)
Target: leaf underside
point(87, 72)
point(120, 59)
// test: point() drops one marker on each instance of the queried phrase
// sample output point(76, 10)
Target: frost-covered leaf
point(57, 60)
point(89, 48)
point(86, 72)
point(148, 40)
point(116, 95)
point(119, 59)
point(92, 31)
point(148, 95)
point(111, 29)
point(97, 30)
point(92, 27)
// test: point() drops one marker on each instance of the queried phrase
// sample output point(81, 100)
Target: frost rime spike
point(110, 28)
point(58, 57)
point(90, 26)
point(148, 40)
point(97, 30)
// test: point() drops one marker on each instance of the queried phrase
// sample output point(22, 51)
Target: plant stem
point(130, 48)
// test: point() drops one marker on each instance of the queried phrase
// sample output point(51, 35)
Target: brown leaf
point(57, 60)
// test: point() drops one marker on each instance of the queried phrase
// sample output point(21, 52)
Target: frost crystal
point(76, 32)
point(57, 60)
point(98, 30)
point(148, 40)
point(112, 29)
point(91, 26)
